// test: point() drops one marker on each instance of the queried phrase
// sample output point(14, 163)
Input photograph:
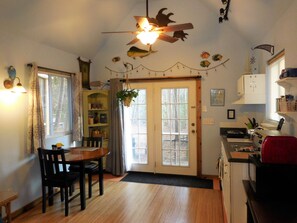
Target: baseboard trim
point(30, 206)
point(26, 208)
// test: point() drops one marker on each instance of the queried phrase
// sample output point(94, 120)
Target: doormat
point(168, 179)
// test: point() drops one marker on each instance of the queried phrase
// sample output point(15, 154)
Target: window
point(274, 69)
point(55, 90)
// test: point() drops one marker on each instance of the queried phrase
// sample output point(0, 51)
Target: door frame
point(198, 110)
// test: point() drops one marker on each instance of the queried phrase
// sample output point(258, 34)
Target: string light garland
point(178, 65)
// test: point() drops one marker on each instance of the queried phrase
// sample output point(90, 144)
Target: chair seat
point(90, 167)
point(63, 180)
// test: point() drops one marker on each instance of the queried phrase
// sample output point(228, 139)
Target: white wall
point(207, 35)
point(19, 172)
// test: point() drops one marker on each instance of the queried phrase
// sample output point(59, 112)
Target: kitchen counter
point(230, 147)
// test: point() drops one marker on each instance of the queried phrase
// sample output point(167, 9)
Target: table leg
point(100, 164)
point(8, 216)
point(82, 186)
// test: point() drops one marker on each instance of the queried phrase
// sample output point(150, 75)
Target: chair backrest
point(52, 162)
point(91, 141)
point(42, 165)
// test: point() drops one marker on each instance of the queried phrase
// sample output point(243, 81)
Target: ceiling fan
point(151, 29)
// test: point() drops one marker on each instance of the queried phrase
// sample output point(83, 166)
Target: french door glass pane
point(175, 148)
point(138, 119)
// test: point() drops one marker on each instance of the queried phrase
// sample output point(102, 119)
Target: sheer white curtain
point(36, 131)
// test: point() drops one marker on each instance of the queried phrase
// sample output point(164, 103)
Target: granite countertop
point(231, 145)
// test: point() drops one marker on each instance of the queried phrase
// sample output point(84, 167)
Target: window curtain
point(76, 107)
point(115, 161)
point(36, 131)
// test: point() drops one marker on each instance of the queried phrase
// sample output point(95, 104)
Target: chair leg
point(66, 201)
point(62, 193)
point(50, 196)
point(72, 189)
point(43, 199)
point(90, 184)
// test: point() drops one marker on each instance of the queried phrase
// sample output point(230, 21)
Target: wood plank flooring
point(134, 202)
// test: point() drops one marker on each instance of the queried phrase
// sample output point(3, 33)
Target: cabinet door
point(249, 84)
point(240, 86)
point(239, 172)
point(254, 84)
point(226, 185)
point(259, 83)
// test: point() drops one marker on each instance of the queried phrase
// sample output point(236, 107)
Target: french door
point(160, 128)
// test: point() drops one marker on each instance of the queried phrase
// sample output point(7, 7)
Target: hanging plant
point(126, 96)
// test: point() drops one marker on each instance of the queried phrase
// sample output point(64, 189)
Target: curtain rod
point(276, 57)
point(52, 70)
point(146, 79)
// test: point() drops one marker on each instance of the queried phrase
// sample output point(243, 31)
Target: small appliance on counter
point(259, 136)
point(273, 172)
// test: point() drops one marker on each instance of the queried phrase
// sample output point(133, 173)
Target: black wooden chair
point(91, 168)
point(54, 174)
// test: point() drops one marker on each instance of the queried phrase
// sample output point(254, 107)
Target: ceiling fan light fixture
point(148, 38)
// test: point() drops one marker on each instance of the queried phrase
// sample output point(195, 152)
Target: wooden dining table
point(80, 155)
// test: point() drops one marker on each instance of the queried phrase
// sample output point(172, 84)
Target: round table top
point(76, 154)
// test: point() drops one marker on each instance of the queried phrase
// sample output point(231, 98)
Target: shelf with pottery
point(95, 113)
point(290, 115)
point(290, 85)
point(288, 82)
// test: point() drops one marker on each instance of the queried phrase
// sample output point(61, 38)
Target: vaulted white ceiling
point(75, 26)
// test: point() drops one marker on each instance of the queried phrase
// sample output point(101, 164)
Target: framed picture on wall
point(84, 68)
point(217, 97)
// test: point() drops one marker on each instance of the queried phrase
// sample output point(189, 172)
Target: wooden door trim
point(198, 127)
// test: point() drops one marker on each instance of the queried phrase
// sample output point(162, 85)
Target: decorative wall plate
point(11, 72)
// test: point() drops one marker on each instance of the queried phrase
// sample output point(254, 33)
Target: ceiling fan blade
point(132, 32)
point(135, 40)
point(174, 28)
point(142, 22)
point(167, 38)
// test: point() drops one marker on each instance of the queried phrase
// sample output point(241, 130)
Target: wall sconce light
point(9, 82)
point(224, 12)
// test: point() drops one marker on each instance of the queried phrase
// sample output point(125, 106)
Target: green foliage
point(127, 93)
point(252, 124)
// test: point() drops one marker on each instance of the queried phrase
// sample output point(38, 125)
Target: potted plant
point(125, 96)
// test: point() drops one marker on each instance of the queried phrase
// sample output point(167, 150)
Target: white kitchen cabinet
point(234, 196)
point(251, 88)
point(226, 184)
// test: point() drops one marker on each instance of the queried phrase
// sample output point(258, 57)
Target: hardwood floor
point(133, 202)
